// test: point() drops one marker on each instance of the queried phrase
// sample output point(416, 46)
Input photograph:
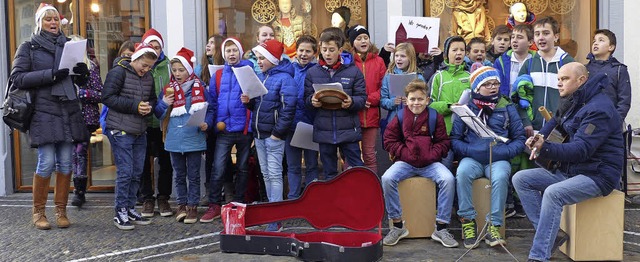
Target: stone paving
point(93, 237)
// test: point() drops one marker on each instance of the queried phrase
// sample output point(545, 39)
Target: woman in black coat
point(57, 119)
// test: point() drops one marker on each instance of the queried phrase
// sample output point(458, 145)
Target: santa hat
point(271, 49)
point(355, 31)
point(236, 42)
point(42, 9)
point(187, 59)
point(152, 35)
point(141, 49)
point(482, 75)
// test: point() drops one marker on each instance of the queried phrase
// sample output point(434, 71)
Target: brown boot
point(40, 192)
point(60, 198)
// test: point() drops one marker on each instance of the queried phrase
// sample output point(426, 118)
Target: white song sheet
point(72, 54)
point(318, 87)
point(397, 83)
point(474, 123)
point(303, 137)
point(213, 69)
point(249, 81)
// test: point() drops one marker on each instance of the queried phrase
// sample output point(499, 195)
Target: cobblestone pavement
point(93, 237)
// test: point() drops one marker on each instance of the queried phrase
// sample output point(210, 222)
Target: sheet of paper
point(465, 97)
point(397, 83)
point(318, 87)
point(249, 81)
point(214, 68)
point(197, 118)
point(474, 123)
point(73, 53)
point(303, 137)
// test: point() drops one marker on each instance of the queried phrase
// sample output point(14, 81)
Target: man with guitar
point(590, 159)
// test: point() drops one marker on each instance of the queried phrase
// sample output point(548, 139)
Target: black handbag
point(18, 107)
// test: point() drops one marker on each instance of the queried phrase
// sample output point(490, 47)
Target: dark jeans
point(294, 167)
point(79, 160)
point(128, 153)
point(329, 157)
point(208, 160)
point(187, 167)
point(224, 143)
point(155, 147)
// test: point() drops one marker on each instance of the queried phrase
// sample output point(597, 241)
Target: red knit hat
point(141, 49)
point(271, 49)
point(152, 35)
point(187, 59)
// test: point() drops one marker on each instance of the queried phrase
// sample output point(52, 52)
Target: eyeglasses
point(495, 84)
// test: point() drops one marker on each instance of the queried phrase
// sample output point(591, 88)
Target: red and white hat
point(42, 9)
point(141, 49)
point(187, 58)
point(236, 42)
point(271, 49)
point(152, 35)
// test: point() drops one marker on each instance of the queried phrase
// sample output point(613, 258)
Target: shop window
point(470, 18)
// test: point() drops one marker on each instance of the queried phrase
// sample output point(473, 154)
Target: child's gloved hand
point(524, 103)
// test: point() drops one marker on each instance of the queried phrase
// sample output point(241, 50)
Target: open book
point(474, 123)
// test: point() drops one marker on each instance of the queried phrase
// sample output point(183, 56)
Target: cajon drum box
point(482, 203)
point(418, 200)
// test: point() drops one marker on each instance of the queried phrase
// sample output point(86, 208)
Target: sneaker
point(493, 237)
point(164, 208)
point(469, 233)
point(395, 234)
point(121, 220)
point(509, 212)
point(561, 237)
point(182, 213)
point(444, 237)
point(274, 227)
point(520, 212)
point(137, 218)
point(147, 208)
point(192, 215)
point(212, 213)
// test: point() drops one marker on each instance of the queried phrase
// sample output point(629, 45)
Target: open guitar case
point(351, 200)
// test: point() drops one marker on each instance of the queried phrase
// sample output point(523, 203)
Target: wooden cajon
point(418, 200)
point(595, 228)
point(481, 194)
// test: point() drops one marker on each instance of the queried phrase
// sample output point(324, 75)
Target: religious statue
point(340, 18)
point(470, 20)
point(288, 27)
point(519, 14)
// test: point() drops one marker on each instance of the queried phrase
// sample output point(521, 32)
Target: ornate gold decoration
point(509, 3)
point(331, 5)
point(306, 6)
point(437, 6)
point(538, 6)
point(354, 7)
point(451, 3)
point(491, 24)
point(263, 11)
point(314, 30)
point(562, 7)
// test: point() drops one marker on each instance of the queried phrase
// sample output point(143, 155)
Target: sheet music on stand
point(474, 123)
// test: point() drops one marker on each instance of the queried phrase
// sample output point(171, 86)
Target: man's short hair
point(526, 29)
point(475, 40)
point(548, 20)
point(499, 30)
point(610, 35)
point(417, 85)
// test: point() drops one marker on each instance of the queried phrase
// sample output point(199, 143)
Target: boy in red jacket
point(417, 151)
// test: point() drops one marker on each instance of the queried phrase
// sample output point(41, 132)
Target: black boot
point(80, 185)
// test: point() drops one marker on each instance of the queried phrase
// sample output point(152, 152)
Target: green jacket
point(545, 84)
point(161, 76)
point(447, 86)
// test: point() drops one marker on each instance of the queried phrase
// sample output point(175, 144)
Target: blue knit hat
point(482, 75)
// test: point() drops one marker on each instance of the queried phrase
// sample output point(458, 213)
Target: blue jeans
point(186, 167)
point(270, 154)
point(469, 170)
point(437, 172)
point(129, 156)
point(54, 157)
point(329, 157)
point(543, 194)
point(294, 167)
point(222, 154)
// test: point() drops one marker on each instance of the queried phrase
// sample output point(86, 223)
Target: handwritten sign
point(422, 32)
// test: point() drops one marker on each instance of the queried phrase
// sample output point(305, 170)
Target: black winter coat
point(54, 120)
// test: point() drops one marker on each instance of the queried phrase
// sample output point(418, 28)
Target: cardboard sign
point(422, 32)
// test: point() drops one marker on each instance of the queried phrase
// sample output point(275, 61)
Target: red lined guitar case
point(352, 200)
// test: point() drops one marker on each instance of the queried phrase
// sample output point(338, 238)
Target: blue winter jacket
point(503, 65)
point(504, 121)
point(230, 109)
point(342, 125)
point(619, 88)
point(180, 137)
point(272, 114)
point(386, 99)
point(595, 147)
point(302, 113)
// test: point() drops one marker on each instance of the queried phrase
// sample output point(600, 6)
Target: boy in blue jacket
point(339, 128)
point(272, 115)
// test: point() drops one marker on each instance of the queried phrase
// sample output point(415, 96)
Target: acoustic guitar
point(556, 136)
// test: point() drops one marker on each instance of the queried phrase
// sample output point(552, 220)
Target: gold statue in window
point(288, 26)
point(470, 19)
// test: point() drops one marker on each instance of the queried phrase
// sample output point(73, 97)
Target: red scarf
point(326, 66)
point(198, 100)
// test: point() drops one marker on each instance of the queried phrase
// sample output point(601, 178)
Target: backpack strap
point(218, 79)
point(433, 116)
